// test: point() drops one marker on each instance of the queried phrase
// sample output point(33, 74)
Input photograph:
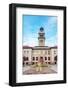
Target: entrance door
point(41, 59)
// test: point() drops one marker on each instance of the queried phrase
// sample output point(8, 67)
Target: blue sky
point(31, 25)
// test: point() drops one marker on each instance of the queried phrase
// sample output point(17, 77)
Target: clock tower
point(41, 37)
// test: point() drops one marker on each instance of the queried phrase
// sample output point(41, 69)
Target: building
point(31, 55)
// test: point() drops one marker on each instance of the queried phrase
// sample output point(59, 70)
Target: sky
point(30, 29)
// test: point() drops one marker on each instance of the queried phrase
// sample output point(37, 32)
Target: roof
point(27, 47)
point(53, 47)
point(39, 47)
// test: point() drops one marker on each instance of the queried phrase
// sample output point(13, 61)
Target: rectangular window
point(33, 63)
point(48, 58)
point(23, 58)
point(54, 52)
point(36, 58)
point(48, 62)
point(41, 57)
point(33, 58)
point(48, 52)
point(27, 58)
point(26, 63)
point(45, 58)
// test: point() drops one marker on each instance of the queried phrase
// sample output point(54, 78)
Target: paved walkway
point(45, 70)
point(54, 67)
point(26, 68)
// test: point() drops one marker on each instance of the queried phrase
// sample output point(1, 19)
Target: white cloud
point(50, 24)
point(51, 41)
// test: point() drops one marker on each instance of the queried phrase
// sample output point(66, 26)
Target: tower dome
point(41, 29)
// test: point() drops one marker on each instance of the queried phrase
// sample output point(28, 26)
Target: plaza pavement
point(28, 70)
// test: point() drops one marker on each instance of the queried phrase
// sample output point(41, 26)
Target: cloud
point(50, 23)
point(52, 41)
point(30, 42)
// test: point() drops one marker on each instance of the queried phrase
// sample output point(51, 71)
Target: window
point(41, 57)
point(45, 58)
point(36, 58)
point(36, 62)
point(54, 52)
point(23, 58)
point(55, 58)
point(23, 63)
point(26, 63)
point(27, 58)
point(45, 52)
point(49, 52)
point(48, 58)
point(48, 62)
point(32, 63)
point(33, 58)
